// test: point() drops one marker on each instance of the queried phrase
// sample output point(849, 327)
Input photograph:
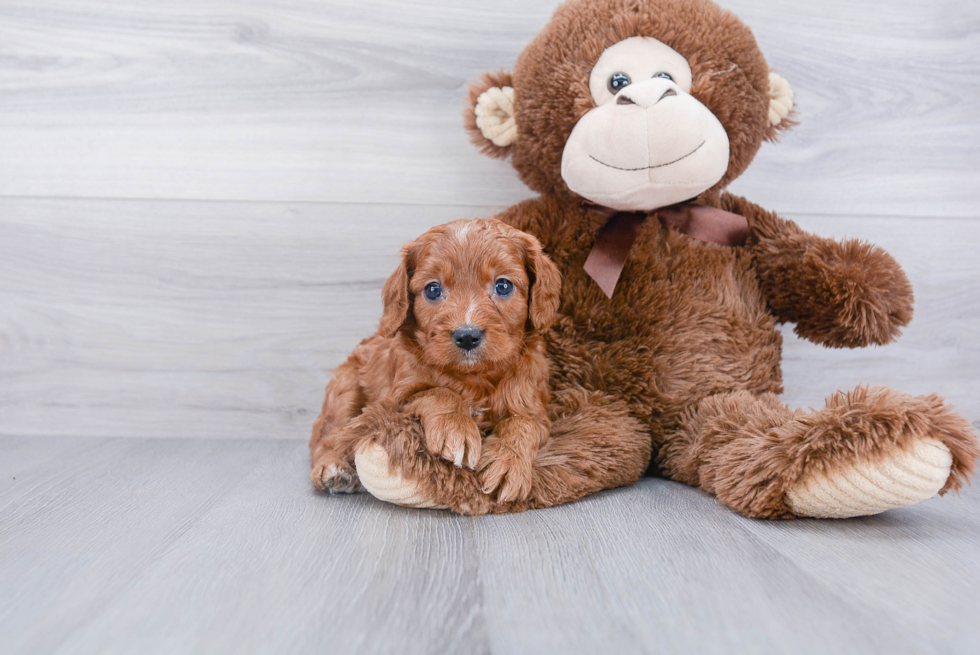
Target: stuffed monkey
point(630, 118)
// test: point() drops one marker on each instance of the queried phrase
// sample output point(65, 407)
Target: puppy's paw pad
point(501, 470)
point(516, 486)
point(455, 439)
point(904, 477)
point(335, 478)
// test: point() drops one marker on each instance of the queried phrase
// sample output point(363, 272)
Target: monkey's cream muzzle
point(651, 146)
point(647, 143)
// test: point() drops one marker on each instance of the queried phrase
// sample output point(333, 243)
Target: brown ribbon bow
point(608, 256)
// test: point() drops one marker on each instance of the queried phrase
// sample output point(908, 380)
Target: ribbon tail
point(605, 275)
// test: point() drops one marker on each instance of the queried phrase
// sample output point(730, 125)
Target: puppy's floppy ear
point(395, 294)
point(545, 288)
point(489, 114)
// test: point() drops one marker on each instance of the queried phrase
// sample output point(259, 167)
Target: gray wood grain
point(223, 320)
point(347, 100)
point(177, 546)
point(72, 531)
point(908, 567)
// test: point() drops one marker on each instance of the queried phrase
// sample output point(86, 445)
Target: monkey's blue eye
point(617, 82)
point(432, 291)
point(665, 76)
point(503, 287)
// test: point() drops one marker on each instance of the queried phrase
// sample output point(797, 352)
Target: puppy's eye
point(432, 291)
point(665, 76)
point(503, 287)
point(618, 81)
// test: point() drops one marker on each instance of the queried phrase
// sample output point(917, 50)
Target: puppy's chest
point(485, 411)
point(486, 402)
point(484, 415)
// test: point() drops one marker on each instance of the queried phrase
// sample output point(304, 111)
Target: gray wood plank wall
point(199, 199)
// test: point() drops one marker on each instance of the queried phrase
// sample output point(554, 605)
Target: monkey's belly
point(677, 336)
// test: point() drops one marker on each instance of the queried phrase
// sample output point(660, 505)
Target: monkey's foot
point(865, 488)
point(371, 462)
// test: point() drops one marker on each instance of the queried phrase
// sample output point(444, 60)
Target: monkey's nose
point(646, 94)
point(467, 337)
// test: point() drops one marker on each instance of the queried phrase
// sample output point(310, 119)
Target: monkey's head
point(632, 104)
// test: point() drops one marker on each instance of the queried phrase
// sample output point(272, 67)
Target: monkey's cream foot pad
point(371, 462)
point(904, 478)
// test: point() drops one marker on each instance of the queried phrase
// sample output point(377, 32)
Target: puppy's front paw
point(454, 437)
point(334, 475)
point(504, 470)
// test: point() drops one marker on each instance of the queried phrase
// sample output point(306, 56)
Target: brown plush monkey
point(630, 117)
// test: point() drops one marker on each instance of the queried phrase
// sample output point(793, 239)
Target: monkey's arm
point(841, 294)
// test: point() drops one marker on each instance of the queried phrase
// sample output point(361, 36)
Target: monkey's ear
point(780, 106)
point(489, 114)
point(396, 296)
point(545, 291)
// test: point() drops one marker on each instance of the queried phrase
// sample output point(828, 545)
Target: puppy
point(461, 347)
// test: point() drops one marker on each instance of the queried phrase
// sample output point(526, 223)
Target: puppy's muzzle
point(467, 337)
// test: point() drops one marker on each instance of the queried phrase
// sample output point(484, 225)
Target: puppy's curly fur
point(479, 275)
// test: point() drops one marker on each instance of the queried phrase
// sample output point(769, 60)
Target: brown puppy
point(460, 346)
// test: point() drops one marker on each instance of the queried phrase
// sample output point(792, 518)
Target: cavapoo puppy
point(460, 346)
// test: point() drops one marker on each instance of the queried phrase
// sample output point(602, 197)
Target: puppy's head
point(470, 293)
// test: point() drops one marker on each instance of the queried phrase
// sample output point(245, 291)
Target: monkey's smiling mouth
point(646, 168)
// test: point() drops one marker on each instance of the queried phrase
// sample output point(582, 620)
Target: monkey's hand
point(840, 294)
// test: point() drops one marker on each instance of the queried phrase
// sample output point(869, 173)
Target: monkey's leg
point(594, 444)
point(331, 445)
point(867, 451)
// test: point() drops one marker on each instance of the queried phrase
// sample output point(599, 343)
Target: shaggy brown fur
point(749, 449)
point(581, 422)
point(498, 388)
point(683, 362)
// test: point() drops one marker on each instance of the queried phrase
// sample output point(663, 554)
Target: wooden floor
point(199, 201)
point(215, 546)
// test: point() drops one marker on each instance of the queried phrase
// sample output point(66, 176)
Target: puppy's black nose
point(467, 337)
